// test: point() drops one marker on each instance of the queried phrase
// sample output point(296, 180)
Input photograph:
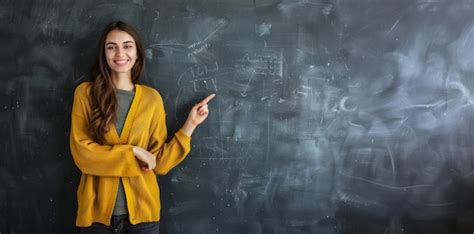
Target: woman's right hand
point(146, 159)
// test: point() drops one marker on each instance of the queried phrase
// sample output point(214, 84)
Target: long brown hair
point(103, 100)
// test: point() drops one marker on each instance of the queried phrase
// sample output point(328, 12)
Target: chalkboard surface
point(337, 116)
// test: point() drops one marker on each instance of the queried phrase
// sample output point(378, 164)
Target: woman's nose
point(119, 51)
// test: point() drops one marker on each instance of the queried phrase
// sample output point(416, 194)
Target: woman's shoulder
point(83, 89)
point(150, 92)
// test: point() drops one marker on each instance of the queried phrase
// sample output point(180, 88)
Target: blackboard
point(337, 116)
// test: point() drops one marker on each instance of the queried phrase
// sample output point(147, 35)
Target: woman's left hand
point(197, 115)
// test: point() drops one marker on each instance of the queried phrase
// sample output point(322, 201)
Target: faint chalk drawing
point(203, 44)
point(268, 63)
point(263, 29)
point(264, 63)
point(201, 77)
point(211, 25)
point(342, 105)
point(303, 90)
point(199, 49)
point(204, 84)
point(199, 71)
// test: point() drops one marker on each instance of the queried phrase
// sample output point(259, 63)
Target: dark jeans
point(120, 224)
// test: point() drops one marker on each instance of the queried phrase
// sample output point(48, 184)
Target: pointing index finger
point(208, 98)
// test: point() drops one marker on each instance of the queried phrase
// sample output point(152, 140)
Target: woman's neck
point(123, 81)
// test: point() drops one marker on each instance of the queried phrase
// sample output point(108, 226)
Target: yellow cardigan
point(103, 165)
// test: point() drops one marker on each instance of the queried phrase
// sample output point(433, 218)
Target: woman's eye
point(127, 46)
point(110, 48)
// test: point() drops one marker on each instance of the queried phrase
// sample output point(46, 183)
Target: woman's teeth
point(121, 62)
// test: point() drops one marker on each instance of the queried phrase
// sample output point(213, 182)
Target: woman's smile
point(121, 62)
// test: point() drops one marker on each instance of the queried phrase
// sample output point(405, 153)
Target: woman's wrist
point(188, 128)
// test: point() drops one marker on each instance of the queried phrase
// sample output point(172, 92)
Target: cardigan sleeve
point(170, 154)
point(93, 158)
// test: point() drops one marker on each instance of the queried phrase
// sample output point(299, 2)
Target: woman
point(117, 140)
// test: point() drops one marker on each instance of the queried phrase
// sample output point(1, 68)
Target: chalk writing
point(268, 64)
point(199, 71)
point(204, 84)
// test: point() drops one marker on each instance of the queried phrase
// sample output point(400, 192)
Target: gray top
point(124, 101)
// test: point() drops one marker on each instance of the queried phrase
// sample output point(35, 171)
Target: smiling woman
point(118, 139)
point(121, 53)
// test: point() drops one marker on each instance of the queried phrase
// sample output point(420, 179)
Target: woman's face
point(120, 51)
